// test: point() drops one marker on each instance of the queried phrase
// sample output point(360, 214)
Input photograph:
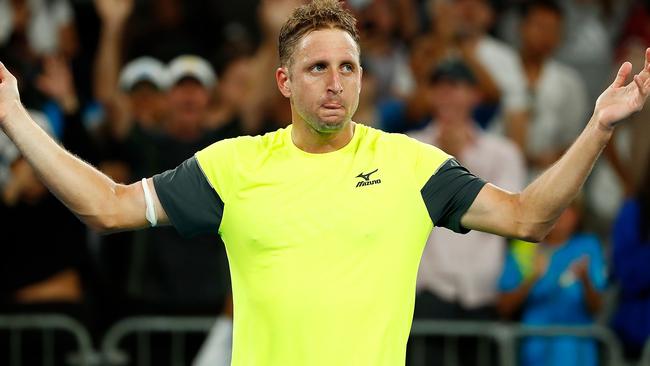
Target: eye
point(347, 68)
point(318, 67)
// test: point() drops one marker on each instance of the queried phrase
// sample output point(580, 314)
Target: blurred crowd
point(135, 87)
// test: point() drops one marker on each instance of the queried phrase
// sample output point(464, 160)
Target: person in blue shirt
point(557, 282)
point(631, 259)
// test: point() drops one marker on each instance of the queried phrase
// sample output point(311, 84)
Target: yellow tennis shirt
point(323, 248)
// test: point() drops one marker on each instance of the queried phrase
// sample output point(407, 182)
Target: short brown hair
point(318, 14)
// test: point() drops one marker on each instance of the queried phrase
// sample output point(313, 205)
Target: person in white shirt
point(557, 95)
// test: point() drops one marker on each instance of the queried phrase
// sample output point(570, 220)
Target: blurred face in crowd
point(541, 32)
point(147, 103)
point(377, 19)
point(452, 101)
point(475, 17)
point(234, 82)
point(323, 80)
point(188, 102)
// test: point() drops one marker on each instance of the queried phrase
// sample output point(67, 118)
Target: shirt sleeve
point(192, 205)
point(449, 193)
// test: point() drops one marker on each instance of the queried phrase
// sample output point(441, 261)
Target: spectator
point(631, 255)
point(556, 93)
point(458, 273)
point(383, 51)
point(265, 108)
point(38, 27)
point(558, 282)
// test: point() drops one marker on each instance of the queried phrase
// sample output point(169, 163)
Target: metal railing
point(505, 336)
point(48, 325)
point(143, 328)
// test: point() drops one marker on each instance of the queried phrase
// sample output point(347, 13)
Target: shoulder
point(243, 146)
point(562, 73)
point(496, 48)
point(586, 243)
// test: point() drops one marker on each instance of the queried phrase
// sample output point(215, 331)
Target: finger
point(647, 59)
point(622, 75)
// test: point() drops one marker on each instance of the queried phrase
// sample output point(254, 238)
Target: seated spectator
point(458, 273)
point(631, 257)
point(556, 282)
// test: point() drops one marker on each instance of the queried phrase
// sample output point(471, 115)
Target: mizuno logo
point(366, 179)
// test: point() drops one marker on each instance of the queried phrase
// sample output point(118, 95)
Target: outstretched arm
point(98, 201)
point(531, 214)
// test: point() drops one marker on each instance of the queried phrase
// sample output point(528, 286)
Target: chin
point(330, 126)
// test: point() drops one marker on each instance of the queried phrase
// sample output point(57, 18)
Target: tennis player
point(324, 221)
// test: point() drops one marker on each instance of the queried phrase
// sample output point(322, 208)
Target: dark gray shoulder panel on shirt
point(449, 193)
point(191, 204)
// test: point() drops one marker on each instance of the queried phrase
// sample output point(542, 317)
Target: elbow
point(104, 216)
point(532, 233)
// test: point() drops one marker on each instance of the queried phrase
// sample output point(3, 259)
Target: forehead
point(326, 44)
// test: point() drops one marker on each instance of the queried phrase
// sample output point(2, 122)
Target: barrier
point(506, 337)
point(142, 328)
point(48, 324)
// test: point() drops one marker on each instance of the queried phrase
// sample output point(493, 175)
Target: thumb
point(5, 75)
point(622, 75)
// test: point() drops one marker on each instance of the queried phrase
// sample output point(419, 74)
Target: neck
point(309, 140)
point(531, 59)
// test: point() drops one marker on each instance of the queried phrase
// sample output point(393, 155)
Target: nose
point(335, 85)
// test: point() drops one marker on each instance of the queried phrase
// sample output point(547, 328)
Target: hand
point(9, 96)
point(56, 82)
point(540, 263)
point(619, 100)
point(580, 268)
point(114, 12)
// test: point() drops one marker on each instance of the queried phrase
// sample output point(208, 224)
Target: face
point(234, 83)
point(323, 80)
point(452, 100)
point(146, 102)
point(541, 32)
point(475, 16)
point(188, 101)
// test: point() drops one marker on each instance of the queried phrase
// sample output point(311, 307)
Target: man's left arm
point(531, 214)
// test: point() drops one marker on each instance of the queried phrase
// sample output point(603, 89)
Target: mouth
point(332, 105)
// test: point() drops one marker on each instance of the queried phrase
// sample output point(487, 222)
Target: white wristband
point(150, 212)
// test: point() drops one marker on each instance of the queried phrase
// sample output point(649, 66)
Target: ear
point(360, 78)
point(282, 78)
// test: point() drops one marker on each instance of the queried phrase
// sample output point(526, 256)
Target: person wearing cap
point(324, 221)
point(458, 274)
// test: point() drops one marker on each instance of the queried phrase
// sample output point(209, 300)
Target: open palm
point(619, 100)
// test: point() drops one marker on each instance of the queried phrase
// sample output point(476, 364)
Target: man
point(557, 95)
point(458, 274)
point(324, 221)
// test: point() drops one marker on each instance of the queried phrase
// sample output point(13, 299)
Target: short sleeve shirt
point(323, 248)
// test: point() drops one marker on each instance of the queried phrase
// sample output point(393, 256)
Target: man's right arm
point(97, 200)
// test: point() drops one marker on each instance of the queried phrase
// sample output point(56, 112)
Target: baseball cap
point(143, 69)
point(452, 70)
point(191, 66)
